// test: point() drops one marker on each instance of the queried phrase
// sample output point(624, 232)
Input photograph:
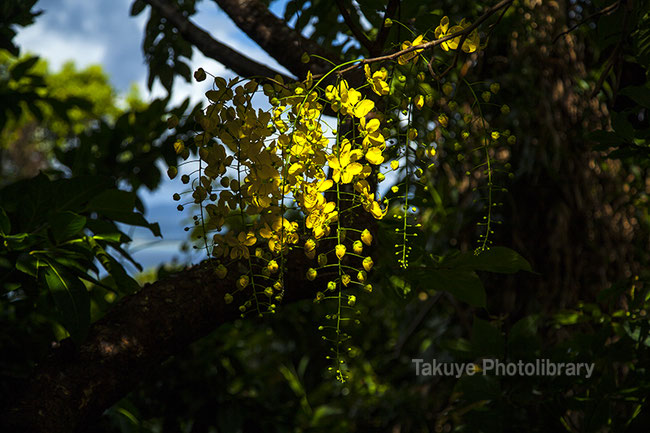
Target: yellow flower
point(362, 276)
point(394, 164)
point(280, 234)
point(471, 43)
point(340, 251)
point(368, 263)
point(370, 133)
point(349, 101)
point(311, 274)
point(352, 299)
point(319, 218)
point(239, 245)
point(377, 80)
point(344, 165)
point(375, 210)
point(366, 237)
point(221, 271)
point(272, 266)
point(243, 281)
point(374, 155)
point(357, 247)
point(310, 248)
point(405, 58)
point(345, 279)
point(419, 102)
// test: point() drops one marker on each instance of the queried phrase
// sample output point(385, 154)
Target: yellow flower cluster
point(471, 43)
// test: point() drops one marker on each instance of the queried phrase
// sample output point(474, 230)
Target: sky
point(104, 33)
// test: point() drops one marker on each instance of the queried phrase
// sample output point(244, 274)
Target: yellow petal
point(374, 156)
point(325, 185)
point(372, 125)
point(375, 210)
point(366, 237)
point(444, 24)
point(340, 251)
point(296, 167)
point(364, 107)
point(419, 102)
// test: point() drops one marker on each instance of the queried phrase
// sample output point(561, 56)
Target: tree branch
point(354, 28)
point(273, 35)
point(71, 387)
point(240, 64)
point(379, 43)
point(466, 31)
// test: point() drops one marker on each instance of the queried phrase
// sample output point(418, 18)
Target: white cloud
point(57, 48)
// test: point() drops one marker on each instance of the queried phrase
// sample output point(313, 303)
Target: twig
point(429, 44)
point(605, 11)
point(356, 31)
point(384, 30)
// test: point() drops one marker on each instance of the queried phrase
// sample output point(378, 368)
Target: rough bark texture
point(272, 34)
point(73, 386)
point(569, 217)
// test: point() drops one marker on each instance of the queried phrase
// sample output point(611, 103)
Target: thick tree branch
point(379, 43)
point(240, 64)
point(72, 386)
point(273, 35)
point(354, 28)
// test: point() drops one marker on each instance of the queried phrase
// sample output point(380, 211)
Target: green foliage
point(438, 303)
point(166, 51)
point(54, 233)
point(15, 13)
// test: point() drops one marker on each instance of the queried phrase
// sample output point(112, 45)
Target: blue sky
point(103, 32)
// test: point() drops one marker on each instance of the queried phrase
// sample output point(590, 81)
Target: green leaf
point(19, 241)
point(137, 7)
point(639, 94)
point(64, 225)
point(72, 301)
point(622, 126)
point(486, 339)
point(123, 282)
point(5, 223)
point(118, 205)
point(464, 285)
point(479, 387)
point(28, 264)
point(111, 201)
point(22, 67)
point(497, 259)
point(523, 341)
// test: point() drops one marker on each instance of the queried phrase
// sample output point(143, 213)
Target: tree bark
point(73, 386)
point(275, 37)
